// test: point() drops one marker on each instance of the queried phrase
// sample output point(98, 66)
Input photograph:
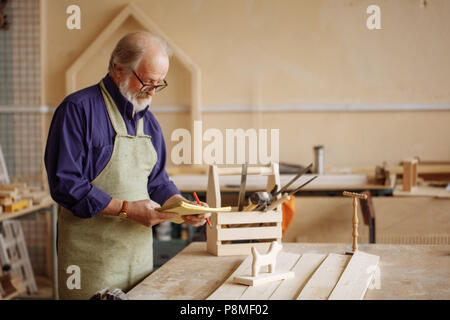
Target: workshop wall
point(20, 86)
point(256, 54)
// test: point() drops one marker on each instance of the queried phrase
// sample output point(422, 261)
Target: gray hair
point(130, 50)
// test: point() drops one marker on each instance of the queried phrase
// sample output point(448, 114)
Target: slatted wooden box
point(236, 232)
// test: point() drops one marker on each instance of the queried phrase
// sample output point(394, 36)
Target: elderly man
point(105, 159)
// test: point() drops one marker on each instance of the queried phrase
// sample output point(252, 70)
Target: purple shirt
point(80, 143)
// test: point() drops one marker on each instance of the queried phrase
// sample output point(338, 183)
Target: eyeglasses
point(148, 87)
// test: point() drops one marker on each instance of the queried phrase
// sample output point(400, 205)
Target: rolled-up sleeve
point(65, 155)
point(160, 187)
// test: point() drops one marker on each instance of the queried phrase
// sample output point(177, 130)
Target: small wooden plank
point(248, 217)
point(13, 186)
point(323, 281)
point(16, 206)
point(8, 193)
point(285, 262)
point(263, 279)
point(356, 277)
point(249, 233)
point(6, 200)
point(229, 290)
point(304, 269)
point(7, 216)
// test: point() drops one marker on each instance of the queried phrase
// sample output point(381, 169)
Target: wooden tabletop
point(407, 271)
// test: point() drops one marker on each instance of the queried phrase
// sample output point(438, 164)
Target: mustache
point(142, 95)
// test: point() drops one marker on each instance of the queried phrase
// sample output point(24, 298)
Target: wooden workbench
point(407, 271)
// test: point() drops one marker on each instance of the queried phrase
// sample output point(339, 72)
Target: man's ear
point(118, 72)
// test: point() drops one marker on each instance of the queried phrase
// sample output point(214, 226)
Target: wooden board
point(323, 281)
point(356, 278)
point(285, 261)
point(249, 233)
point(315, 277)
point(7, 216)
point(304, 269)
point(248, 217)
point(421, 191)
point(230, 290)
point(16, 206)
point(264, 278)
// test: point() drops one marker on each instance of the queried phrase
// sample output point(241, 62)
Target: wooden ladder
point(13, 251)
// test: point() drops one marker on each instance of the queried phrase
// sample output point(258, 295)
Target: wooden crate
point(235, 233)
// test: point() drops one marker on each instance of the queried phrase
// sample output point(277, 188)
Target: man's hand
point(196, 220)
point(143, 211)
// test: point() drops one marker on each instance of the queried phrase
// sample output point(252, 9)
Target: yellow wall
point(289, 52)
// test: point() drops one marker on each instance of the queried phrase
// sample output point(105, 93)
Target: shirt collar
point(123, 104)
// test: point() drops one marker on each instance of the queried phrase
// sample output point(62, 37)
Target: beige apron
point(110, 251)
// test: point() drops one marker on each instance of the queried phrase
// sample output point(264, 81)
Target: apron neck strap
point(114, 114)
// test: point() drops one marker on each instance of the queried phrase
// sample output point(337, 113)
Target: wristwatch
point(123, 213)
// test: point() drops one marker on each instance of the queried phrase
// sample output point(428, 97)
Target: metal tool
point(263, 201)
point(287, 196)
point(242, 190)
point(302, 172)
point(259, 200)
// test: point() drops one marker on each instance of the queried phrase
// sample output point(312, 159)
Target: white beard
point(138, 104)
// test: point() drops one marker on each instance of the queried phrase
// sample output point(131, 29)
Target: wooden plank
point(323, 281)
point(248, 217)
point(407, 176)
point(422, 191)
point(6, 200)
point(249, 233)
point(6, 216)
point(16, 206)
point(263, 279)
point(285, 262)
point(13, 186)
point(229, 290)
point(421, 169)
point(304, 269)
point(356, 277)
point(9, 193)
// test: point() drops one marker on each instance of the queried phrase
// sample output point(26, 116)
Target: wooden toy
point(269, 259)
point(260, 260)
